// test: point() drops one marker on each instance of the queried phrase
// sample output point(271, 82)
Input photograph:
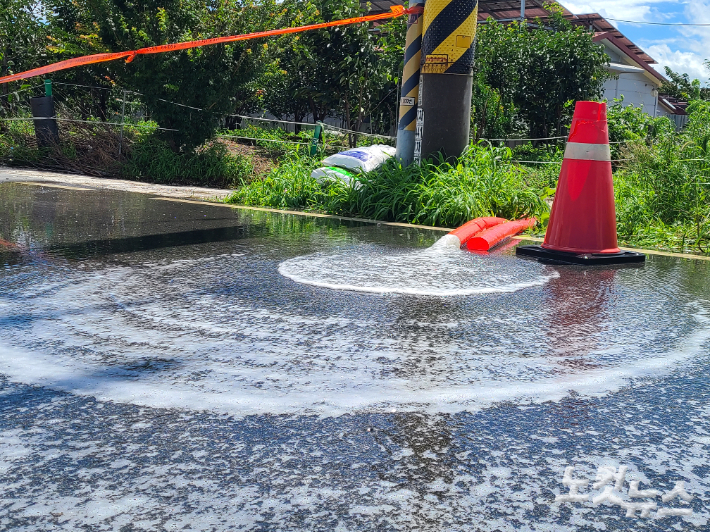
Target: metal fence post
point(123, 114)
point(316, 137)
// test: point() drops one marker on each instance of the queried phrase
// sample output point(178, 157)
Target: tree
point(289, 82)
point(351, 71)
point(539, 70)
point(491, 116)
point(204, 80)
point(680, 86)
point(23, 40)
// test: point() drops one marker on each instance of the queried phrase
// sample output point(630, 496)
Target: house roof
point(673, 105)
point(599, 24)
point(497, 9)
point(628, 51)
point(507, 11)
point(380, 6)
point(511, 10)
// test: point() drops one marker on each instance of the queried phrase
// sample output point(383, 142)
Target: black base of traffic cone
point(588, 259)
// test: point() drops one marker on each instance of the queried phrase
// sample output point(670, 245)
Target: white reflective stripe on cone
point(587, 152)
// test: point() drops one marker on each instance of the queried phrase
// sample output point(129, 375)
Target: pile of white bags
point(346, 164)
point(361, 160)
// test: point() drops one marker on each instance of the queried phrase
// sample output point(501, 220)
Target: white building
point(634, 81)
point(634, 78)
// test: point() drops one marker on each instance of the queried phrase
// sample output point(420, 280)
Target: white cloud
point(640, 10)
point(684, 62)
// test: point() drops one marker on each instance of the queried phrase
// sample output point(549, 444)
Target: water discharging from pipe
point(441, 270)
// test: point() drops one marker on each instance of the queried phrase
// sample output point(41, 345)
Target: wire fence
point(264, 140)
point(326, 127)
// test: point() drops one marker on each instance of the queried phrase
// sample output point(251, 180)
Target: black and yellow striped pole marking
point(410, 87)
point(448, 45)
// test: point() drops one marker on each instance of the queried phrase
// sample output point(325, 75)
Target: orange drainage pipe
point(490, 238)
point(395, 11)
point(475, 226)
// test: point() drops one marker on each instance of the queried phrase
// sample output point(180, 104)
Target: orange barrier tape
point(63, 65)
point(396, 11)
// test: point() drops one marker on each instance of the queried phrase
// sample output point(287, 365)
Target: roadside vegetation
point(661, 179)
point(663, 186)
point(484, 181)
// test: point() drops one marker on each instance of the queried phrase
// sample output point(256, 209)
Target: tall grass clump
point(18, 146)
point(151, 159)
point(663, 192)
point(483, 182)
point(288, 186)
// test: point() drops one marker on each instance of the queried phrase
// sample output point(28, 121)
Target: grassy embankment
point(661, 180)
point(93, 149)
point(662, 185)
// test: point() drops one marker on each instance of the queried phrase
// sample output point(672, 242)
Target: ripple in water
point(441, 270)
point(228, 333)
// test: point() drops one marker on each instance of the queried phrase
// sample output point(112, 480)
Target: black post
point(45, 123)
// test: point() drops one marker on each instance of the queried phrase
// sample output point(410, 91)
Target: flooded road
point(168, 365)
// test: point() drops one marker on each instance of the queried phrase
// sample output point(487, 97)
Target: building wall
point(636, 88)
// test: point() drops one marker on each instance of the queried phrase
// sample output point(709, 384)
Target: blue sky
point(684, 49)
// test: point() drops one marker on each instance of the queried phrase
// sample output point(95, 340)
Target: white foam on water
point(329, 394)
point(157, 336)
point(442, 270)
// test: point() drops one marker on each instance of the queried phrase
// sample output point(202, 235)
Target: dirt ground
point(261, 161)
point(83, 181)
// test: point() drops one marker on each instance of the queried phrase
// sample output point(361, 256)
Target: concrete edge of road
point(214, 197)
point(398, 224)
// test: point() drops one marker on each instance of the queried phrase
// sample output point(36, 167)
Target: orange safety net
point(396, 11)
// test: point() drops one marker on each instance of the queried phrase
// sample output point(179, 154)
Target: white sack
point(363, 159)
point(325, 174)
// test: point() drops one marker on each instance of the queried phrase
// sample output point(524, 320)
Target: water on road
point(167, 365)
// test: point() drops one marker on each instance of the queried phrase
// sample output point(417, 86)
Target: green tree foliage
point(294, 85)
point(491, 116)
point(682, 87)
point(206, 78)
point(531, 74)
point(350, 71)
point(23, 43)
point(662, 192)
point(23, 35)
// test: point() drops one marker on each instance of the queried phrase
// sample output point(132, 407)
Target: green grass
point(663, 192)
point(93, 149)
point(14, 146)
point(483, 182)
point(152, 160)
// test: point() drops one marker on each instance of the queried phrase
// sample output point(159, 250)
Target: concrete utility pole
point(410, 87)
point(444, 114)
point(522, 10)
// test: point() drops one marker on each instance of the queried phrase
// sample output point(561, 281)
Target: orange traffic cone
point(582, 227)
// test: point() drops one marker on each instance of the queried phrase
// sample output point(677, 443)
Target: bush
point(151, 159)
point(662, 193)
